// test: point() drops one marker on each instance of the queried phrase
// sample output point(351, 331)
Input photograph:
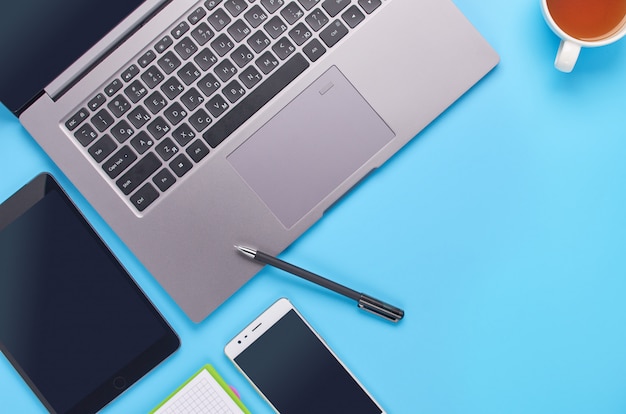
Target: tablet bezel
point(14, 207)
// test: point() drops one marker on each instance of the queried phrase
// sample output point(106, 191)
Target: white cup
point(569, 49)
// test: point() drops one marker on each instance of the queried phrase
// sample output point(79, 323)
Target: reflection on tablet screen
point(72, 321)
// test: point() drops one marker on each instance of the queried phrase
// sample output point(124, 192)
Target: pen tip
point(246, 250)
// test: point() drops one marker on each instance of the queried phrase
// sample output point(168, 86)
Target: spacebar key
point(239, 114)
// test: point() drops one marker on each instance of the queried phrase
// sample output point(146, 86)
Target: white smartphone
point(292, 367)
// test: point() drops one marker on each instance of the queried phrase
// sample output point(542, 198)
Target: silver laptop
point(195, 126)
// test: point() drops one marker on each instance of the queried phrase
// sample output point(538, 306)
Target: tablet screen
point(72, 321)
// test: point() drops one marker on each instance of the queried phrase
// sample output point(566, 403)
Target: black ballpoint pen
point(364, 301)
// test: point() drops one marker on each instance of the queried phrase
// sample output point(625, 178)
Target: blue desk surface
point(501, 230)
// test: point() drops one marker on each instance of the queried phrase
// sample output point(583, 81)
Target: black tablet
point(73, 323)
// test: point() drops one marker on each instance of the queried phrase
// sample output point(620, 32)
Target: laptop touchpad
point(310, 147)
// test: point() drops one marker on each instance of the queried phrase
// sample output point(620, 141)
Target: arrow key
point(353, 16)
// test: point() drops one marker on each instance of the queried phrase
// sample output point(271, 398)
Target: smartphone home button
point(119, 383)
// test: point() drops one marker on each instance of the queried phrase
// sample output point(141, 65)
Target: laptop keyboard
point(204, 77)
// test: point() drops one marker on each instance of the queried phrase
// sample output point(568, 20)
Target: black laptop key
point(97, 101)
point(292, 12)
point(152, 77)
point(169, 62)
point(196, 15)
point(267, 62)
point(259, 41)
point(138, 173)
point(218, 19)
point(317, 19)
point(158, 128)
point(275, 27)
point(314, 50)
point(155, 102)
point(121, 160)
point(191, 99)
point(235, 7)
point(77, 119)
point(225, 70)
point(308, 4)
point(239, 30)
point(102, 148)
point(175, 113)
point(333, 33)
point(222, 44)
point(142, 142)
point(353, 16)
point(102, 120)
point(162, 45)
point(250, 77)
point(234, 91)
point(122, 131)
point(205, 59)
point(209, 84)
point(146, 58)
point(197, 150)
point(300, 34)
point(217, 105)
point(185, 48)
point(272, 5)
point(183, 134)
point(189, 73)
point(166, 149)
point(180, 29)
point(255, 16)
point(135, 91)
point(119, 105)
point(283, 48)
point(369, 5)
point(334, 7)
point(85, 135)
point(113, 87)
point(181, 165)
point(172, 88)
point(200, 120)
point(211, 4)
point(139, 117)
point(164, 179)
point(130, 73)
point(144, 197)
point(249, 105)
point(202, 33)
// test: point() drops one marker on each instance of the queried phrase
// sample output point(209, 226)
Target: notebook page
point(203, 394)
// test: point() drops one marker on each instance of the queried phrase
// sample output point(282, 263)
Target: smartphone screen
point(296, 372)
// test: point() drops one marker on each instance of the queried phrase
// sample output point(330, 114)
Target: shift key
point(139, 173)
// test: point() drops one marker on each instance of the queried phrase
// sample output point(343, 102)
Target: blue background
point(500, 230)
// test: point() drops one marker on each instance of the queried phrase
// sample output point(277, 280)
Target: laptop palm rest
point(310, 147)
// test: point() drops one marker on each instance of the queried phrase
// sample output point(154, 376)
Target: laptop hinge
point(104, 48)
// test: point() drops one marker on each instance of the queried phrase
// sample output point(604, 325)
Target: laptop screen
point(39, 39)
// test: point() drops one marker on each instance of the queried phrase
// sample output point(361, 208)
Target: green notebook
point(204, 392)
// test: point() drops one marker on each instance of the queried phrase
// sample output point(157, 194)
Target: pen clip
point(380, 308)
